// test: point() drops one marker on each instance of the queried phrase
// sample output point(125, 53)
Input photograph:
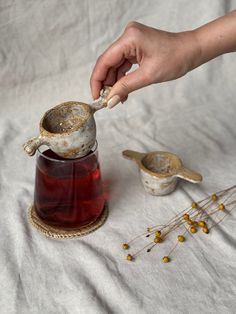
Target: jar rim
point(92, 151)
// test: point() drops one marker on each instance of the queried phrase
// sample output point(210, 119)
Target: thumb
point(127, 84)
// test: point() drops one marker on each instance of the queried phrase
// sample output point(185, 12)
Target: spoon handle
point(189, 175)
point(101, 102)
point(133, 155)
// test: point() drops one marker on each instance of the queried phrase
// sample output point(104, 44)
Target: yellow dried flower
point(181, 238)
point(194, 205)
point(158, 240)
point(158, 233)
point(125, 246)
point(214, 197)
point(193, 230)
point(186, 216)
point(201, 223)
point(221, 206)
point(129, 257)
point(166, 259)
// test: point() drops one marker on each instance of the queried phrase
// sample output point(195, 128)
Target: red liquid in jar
point(68, 194)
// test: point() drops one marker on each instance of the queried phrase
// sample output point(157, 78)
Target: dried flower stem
point(199, 214)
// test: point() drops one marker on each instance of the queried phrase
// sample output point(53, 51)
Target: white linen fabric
point(47, 52)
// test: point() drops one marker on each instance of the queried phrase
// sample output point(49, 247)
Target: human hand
point(161, 56)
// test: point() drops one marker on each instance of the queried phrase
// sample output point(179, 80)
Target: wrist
point(201, 38)
point(217, 37)
point(192, 50)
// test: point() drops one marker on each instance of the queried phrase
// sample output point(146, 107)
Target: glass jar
point(68, 192)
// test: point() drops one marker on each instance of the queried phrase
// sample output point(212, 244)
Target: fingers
point(127, 84)
point(121, 71)
point(112, 66)
point(111, 77)
point(98, 76)
point(113, 57)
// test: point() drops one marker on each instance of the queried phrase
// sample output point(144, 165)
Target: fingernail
point(113, 101)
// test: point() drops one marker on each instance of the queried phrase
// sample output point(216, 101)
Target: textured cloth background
point(47, 52)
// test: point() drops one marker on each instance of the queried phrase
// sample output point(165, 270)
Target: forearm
point(216, 38)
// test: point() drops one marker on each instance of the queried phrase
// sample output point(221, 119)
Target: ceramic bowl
point(160, 171)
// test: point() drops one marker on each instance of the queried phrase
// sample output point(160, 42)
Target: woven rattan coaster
point(60, 233)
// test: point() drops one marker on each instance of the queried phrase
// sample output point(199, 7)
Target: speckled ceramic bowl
point(69, 129)
point(159, 171)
